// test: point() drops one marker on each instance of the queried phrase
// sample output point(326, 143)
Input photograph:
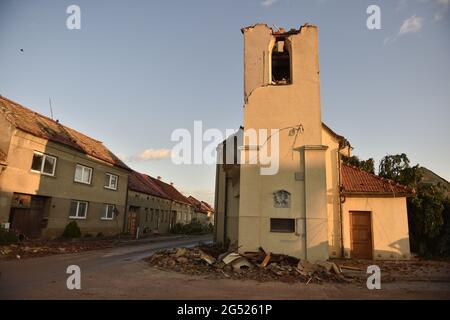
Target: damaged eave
point(280, 31)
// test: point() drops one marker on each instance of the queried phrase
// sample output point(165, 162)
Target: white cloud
point(153, 154)
point(411, 25)
point(268, 3)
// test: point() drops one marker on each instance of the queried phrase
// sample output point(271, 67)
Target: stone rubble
point(214, 262)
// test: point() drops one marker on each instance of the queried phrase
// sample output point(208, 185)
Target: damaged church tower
point(285, 212)
point(282, 91)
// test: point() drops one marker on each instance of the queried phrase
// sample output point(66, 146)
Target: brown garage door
point(361, 235)
point(28, 221)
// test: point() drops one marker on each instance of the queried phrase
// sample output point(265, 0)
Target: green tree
point(397, 167)
point(426, 209)
point(366, 165)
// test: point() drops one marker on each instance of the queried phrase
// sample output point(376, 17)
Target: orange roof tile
point(143, 183)
point(43, 127)
point(358, 181)
point(171, 191)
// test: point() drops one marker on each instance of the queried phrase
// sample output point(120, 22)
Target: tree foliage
point(428, 209)
point(366, 165)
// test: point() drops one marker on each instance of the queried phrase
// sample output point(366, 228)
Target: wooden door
point(361, 235)
point(132, 220)
point(28, 221)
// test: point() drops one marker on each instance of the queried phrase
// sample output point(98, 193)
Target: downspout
point(125, 210)
point(216, 201)
point(225, 211)
point(341, 222)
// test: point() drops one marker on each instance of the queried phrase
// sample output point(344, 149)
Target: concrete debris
point(214, 261)
point(181, 252)
point(229, 258)
point(206, 257)
point(241, 264)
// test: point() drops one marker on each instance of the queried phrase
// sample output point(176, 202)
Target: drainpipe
point(341, 222)
point(125, 211)
point(225, 211)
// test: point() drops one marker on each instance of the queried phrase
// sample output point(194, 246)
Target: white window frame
point(110, 175)
point(78, 209)
point(82, 174)
point(44, 156)
point(105, 212)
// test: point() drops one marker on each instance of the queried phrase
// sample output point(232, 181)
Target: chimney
point(159, 177)
point(171, 183)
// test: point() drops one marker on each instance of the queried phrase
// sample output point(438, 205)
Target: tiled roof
point(43, 127)
point(207, 206)
point(358, 181)
point(143, 183)
point(171, 191)
point(198, 205)
point(146, 184)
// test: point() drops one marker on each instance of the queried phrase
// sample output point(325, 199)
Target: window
point(83, 174)
point(282, 225)
point(281, 63)
point(151, 215)
point(111, 181)
point(108, 212)
point(43, 163)
point(78, 209)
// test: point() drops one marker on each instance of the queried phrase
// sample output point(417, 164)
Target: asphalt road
point(39, 277)
point(120, 273)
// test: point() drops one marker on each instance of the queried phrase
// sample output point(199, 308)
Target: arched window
point(281, 63)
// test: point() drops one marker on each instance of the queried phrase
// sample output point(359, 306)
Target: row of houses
point(51, 174)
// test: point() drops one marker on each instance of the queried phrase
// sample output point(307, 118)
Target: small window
point(44, 164)
point(111, 181)
point(282, 225)
point(281, 63)
point(108, 212)
point(78, 210)
point(83, 174)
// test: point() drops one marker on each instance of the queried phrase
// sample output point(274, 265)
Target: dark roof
point(147, 184)
point(358, 181)
point(198, 205)
point(171, 192)
point(43, 127)
point(143, 183)
point(207, 206)
point(340, 138)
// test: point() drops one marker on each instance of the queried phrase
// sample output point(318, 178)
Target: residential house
point(313, 207)
point(154, 206)
point(203, 212)
point(51, 175)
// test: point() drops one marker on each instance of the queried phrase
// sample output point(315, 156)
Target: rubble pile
point(44, 248)
point(259, 266)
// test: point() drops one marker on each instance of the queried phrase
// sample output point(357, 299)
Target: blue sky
point(137, 70)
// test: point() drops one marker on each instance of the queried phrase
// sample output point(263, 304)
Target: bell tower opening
point(281, 63)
